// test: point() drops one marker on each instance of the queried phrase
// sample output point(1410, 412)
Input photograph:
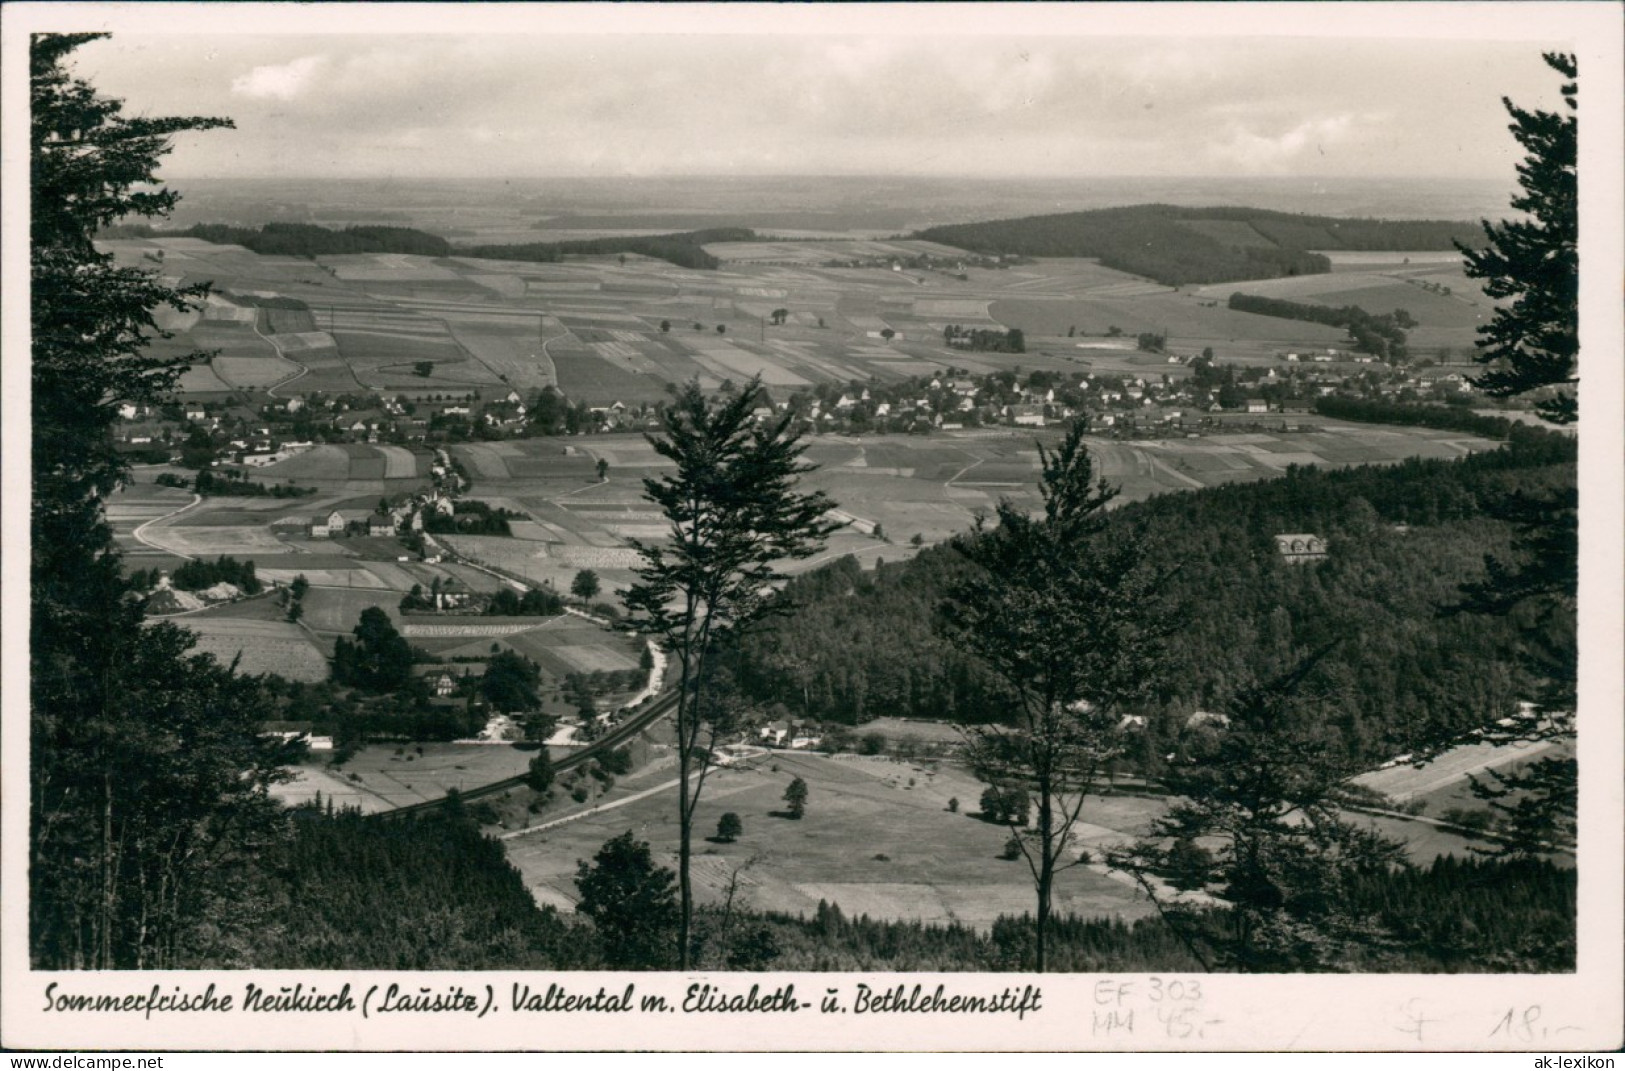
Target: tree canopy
point(149, 776)
point(630, 901)
point(736, 514)
point(1070, 625)
point(1532, 340)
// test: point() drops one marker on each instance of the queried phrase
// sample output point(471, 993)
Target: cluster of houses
point(786, 734)
point(407, 516)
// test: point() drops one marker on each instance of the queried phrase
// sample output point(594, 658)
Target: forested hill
point(1178, 246)
point(309, 240)
point(861, 645)
point(686, 250)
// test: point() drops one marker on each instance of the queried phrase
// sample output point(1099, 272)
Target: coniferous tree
point(148, 781)
point(1532, 345)
point(1069, 624)
point(736, 513)
point(1256, 831)
point(1532, 342)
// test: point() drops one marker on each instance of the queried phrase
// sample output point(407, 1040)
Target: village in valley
point(358, 429)
point(547, 569)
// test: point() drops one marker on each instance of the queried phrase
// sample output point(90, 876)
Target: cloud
point(1268, 152)
point(280, 82)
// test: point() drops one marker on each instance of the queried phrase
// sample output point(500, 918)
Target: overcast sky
point(521, 106)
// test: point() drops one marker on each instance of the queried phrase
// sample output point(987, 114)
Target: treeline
point(1154, 240)
point(207, 483)
point(1453, 916)
point(862, 645)
point(1381, 335)
point(990, 340)
point(473, 517)
point(686, 250)
point(321, 884)
point(470, 910)
point(199, 574)
point(1442, 417)
point(309, 240)
point(535, 602)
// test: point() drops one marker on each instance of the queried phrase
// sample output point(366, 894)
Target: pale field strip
point(428, 334)
point(1365, 257)
point(594, 315)
point(208, 541)
point(950, 307)
point(399, 462)
point(1132, 289)
point(391, 575)
point(118, 512)
point(1297, 286)
point(251, 372)
point(597, 557)
point(616, 350)
point(486, 461)
point(405, 314)
point(601, 514)
point(565, 286)
point(510, 286)
point(293, 659)
point(230, 314)
point(534, 531)
point(762, 292)
point(325, 578)
point(591, 657)
point(300, 341)
point(626, 336)
point(749, 364)
point(194, 244)
point(472, 630)
point(200, 379)
point(714, 367)
point(647, 532)
point(829, 367)
point(352, 273)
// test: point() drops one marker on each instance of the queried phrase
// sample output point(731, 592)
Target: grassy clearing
point(386, 776)
point(870, 841)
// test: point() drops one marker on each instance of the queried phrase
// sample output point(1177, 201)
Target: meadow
point(878, 838)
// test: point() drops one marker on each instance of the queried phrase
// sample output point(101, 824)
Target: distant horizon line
point(935, 176)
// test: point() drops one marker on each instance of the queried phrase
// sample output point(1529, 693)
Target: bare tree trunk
point(104, 935)
point(1046, 872)
point(685, 825)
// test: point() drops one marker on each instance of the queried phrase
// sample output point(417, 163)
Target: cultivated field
point(603, 331)
point(391, 776)
point(262, 646)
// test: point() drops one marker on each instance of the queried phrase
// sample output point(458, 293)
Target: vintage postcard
point(896, 527)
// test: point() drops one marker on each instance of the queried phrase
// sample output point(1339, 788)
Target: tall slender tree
point(148, 781)
point(736, 513)
point(1069, 619)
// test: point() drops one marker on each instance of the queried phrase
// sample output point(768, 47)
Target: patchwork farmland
point(603, 331)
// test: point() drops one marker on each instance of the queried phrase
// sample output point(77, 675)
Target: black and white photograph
point(892, 527)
